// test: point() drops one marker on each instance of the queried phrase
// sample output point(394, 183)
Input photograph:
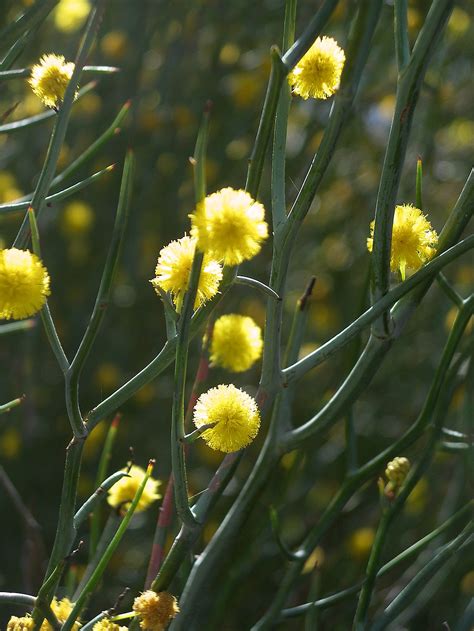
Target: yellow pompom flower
point(61, 609)
point(414, 240)
point(49, 79)
point(71, 14)
point(107, 625)
point(318, 73)
point(20, 624)
point(155, 610)
point(174, 268)
point(123, 491)
point(24, 284)
point(235, 414)
point(230, 226)
point(236, 342)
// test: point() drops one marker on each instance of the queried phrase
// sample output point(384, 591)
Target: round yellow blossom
point(20, 624)
point(229, 225)
point(413, 239)
point(155, 610)
point(123, 491)
point(24, 284)
point(70, 15)
point(174, 268)
point(318, 73)
point(61, 609)
point(235, 414)
point(236, 342)
point(397, 470)
point(49, 79)
point(107, 625)
point(77, 218)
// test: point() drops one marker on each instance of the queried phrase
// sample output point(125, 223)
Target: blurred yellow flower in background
point(318, 73)
point(360, 542)
point(70, 15)
point(78, 218)
point(236, 342)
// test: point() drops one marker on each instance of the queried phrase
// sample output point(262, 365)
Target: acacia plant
point(184, 583)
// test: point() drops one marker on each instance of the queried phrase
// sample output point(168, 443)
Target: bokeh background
point(173, 57)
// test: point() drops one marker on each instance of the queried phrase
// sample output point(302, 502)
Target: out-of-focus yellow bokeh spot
point(95, 440)
point(9, 189)
point(459, 22)
point(289, 459)
point(418, 497)
point(89, 104)
point(467, 584)
point(108, 375)
point(209, 530)
point(451, 317)
point(229, 54)
point(114, 45)
point(145, 395)
point(78, 218)
point(360, 542)
point(10, 443)
point(70, 15)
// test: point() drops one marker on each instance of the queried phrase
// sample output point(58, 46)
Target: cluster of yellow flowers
point(155, 610)
point(122, 493)
point(61, 609)
point(229, 227)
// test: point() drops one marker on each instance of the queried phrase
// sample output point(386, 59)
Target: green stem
point(31, 121)
point(67, 192)
point(103, 297)
point(105, 559)
point(101, 492)
point(32, 17)
point(101, 473)
point(402, 45)
point(6, 407)
point(408, 593)
point(13, 327)
point(281, 124)
point(419, 184)
point(449, 290)
point(315, 358)
point(408, 88)
point(257, 158)
point(60, 128)
point(25, 73)
point(256, 284)
point(408, 553)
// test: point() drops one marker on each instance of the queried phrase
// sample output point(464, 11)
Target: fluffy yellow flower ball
point(71, 14)
point(155, 610)
point(106, 625)
point(174, 268)
point(24, 284)
point(235, 414)
point(413, 239)
point(123, 491)
point(318, 73)
point(236, 342)
point(20, 624)
point(49, 79)
point(230, 226)
point(61, 609)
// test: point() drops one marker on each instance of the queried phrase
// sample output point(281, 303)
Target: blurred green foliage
point(173, 57)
